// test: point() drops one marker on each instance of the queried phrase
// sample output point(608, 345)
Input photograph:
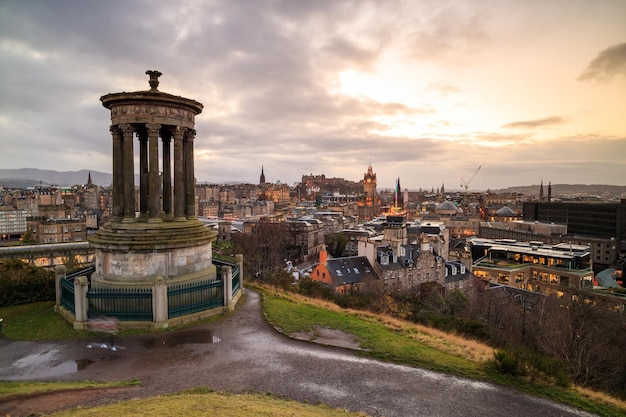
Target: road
point(242, 353)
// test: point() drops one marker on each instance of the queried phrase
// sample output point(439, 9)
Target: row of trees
point(585, 336)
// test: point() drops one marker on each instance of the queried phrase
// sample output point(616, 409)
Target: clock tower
point(369, 187)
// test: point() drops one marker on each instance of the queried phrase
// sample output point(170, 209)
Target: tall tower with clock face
point(369, 186)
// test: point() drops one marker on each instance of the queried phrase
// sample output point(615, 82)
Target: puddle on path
point(40, 371)
point(36, 359)
point(183, 337)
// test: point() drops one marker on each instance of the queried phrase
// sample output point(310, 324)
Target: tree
point(28, 238)
point(318, 200)
point(455, 302)
point(336, 244)
point(265, 247)
point(579, 334)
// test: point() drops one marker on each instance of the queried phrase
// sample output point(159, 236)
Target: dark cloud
point(609, 63)
point(267, 74)
point(537, 123)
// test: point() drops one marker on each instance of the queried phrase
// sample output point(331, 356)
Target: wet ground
point(242, 353)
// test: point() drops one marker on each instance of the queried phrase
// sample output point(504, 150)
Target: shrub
point(21, 283)
point(311, 288)
point(507, 363)
point(526, 362)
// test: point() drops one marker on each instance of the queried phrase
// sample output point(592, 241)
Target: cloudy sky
point(427, 90)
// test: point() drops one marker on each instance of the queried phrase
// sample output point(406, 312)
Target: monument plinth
point(157, 234)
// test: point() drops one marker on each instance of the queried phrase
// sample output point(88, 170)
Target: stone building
point(344, 275)
point(13, 223)
point(306, 239)
point(63, 230)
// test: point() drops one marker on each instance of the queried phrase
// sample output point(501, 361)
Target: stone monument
point(154, 233)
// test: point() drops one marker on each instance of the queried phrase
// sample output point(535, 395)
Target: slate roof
point(350, 270)
point(606, 278)
point(505, 211)
point(454, 269)
point(446, 206)
point(411, 254)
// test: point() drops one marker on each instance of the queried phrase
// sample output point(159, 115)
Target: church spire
point(550, 192)
point(262, 179)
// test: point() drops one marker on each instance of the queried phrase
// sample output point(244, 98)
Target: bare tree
point(265, 247)
point(579, 333)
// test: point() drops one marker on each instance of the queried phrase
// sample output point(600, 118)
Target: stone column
point(227, 280)
point(155, 186)
point(59, 273)
point(239, 260)
point(159, 303)
point(80, 300)
point(167, 172)
point(143, 171)
point(118, 177)
point(190, 180)
point(129, 172)
point(179, 176)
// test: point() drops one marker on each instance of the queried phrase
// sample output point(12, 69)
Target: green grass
point(378, 340)
point(39, 322)
point(36, 322)
point(204, 402)
point(382, 340)
point(11, 388)
point(389, 343)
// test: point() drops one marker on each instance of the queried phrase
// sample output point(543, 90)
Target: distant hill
point(567, 189)
point(28, 177)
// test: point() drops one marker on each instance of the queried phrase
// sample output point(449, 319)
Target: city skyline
point(425, 91)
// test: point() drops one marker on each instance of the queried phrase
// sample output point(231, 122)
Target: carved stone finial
point(154, 79)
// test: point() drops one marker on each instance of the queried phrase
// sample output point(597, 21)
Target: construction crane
point(466, 184)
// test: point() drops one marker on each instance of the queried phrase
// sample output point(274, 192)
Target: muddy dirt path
point(243, 353)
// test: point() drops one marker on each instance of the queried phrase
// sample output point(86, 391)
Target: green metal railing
point(236, 280)
point(134, 304)
point(67, 288)
point(236, 274)
point(67, 295)
point(191, 298)
point(82, 272)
